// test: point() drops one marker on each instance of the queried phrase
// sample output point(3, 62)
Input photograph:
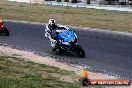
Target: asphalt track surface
point(103, 54)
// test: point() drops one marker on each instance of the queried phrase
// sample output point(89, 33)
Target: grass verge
point(108, 20)
point(17, 73)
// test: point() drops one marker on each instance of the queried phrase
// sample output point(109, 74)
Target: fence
point(83, 5)
point(36, 2)
point(67, 4)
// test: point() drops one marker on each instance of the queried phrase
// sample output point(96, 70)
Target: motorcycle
point(4, 30)
point(67, 41)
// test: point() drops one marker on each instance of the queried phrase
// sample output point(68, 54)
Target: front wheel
point(53, 49)
point(79, 51)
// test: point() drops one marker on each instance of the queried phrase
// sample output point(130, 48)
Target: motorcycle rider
point(1, 21)
point(50, 31)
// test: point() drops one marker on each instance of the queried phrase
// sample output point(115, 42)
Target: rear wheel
point(5, 31)
point(79, 51)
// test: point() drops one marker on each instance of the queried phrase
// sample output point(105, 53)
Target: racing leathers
point(51, 33)
point(1, 23)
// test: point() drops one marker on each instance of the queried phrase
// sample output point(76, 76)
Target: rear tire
point(5, 31)
point(79, 51)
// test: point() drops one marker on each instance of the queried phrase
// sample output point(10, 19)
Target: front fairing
point(66, 40)
point(66, 37)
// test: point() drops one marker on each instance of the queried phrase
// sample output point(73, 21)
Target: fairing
point(67, 36)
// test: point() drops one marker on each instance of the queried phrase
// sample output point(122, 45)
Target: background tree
point(74, 1)
point(66, 0)
point(58, 0)
point(88, 1)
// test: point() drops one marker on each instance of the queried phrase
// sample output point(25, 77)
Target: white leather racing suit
point(50, 33)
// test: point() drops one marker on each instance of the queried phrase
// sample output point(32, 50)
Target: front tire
point(79, 51)
point(54, 49)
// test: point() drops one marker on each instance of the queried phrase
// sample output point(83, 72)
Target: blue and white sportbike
point(67, 41)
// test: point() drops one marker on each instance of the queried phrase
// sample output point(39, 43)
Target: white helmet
point(52, 22)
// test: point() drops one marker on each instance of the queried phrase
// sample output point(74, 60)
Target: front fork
point(73, 47)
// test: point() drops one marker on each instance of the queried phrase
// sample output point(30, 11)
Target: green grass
point(108, 20)
point(17, 73)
